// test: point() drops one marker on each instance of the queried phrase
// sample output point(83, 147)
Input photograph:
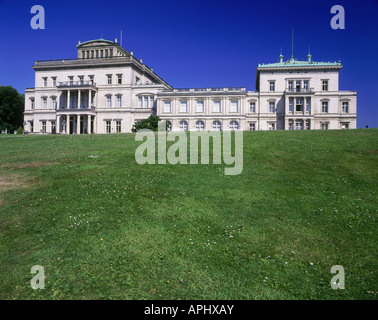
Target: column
point(78, 123)
point(79, 99)
point(90, 99)
point(68, 125)
point(57, 126)
point(68, 99)
point(94, 124)
point(89, 125)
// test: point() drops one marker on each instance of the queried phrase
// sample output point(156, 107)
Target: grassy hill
point(103, 226)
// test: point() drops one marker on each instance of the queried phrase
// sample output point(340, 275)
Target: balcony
point(71, 84)
point(299, 90)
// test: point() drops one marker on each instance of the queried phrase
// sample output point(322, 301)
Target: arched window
point(234, 125)
point(200, 126)
point(217, 126)
point(183, 126)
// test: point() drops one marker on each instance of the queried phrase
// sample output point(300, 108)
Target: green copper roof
point(297, 63)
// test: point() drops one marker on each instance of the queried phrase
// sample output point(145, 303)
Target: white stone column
point(89, 125)
point(57, 126)
point(79, 99)
point(68, 125)
point(78, 124)
point(90, 99)
point(68, 99)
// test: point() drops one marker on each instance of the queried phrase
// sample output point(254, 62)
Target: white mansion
point(106, 89)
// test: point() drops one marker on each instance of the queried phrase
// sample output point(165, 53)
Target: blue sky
point(200, 43)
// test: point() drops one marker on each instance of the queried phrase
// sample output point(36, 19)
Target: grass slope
point(107, 228)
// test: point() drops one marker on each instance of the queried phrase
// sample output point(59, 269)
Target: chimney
point(281, 57)
point(309, 57)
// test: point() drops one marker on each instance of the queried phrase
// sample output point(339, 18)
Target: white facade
point(106, 89)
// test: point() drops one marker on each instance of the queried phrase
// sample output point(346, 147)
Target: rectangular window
point(252, 107)
point(108, 126)
point(272, 126)
point(44, 103)
point(345, 125)
point(70, 78)
point(53, 129)
point(44, 82)
point(325, 106)
point(305, 85)
point(145, 99)
point(271, 86)
point(118, 126)
point(234, 106)
point(324, 125)
point(152, 102)
point(183, 106)
point(345, 107)
point(291, 126)
point(109, 76)
point(308, 104)
point(53, 103)
point(217, 106)
point(140, 103)
point(167, 106)
point(325, 85)
point(200, 106)
point(53, 81)
point(291, 104)
point(108, 101)
point(271, 106)
point(119, 78)
point(299, 104)
point(308, 124)
point(298, 85)
point(81, 80)
point(290, 86)
point(91, 79)
point(32, 104)
point(44, 126)
point(119, 101)
point(252, 126)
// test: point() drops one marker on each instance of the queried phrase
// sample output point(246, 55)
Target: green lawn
point(105, 227)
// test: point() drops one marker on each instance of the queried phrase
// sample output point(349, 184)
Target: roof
point(96, 40)
point(296, 63)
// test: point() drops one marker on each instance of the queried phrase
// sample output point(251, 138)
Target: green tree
point(152, 123)
point(11, 108)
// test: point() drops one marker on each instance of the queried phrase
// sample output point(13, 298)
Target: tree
point(11, 108)
point(152, 123)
